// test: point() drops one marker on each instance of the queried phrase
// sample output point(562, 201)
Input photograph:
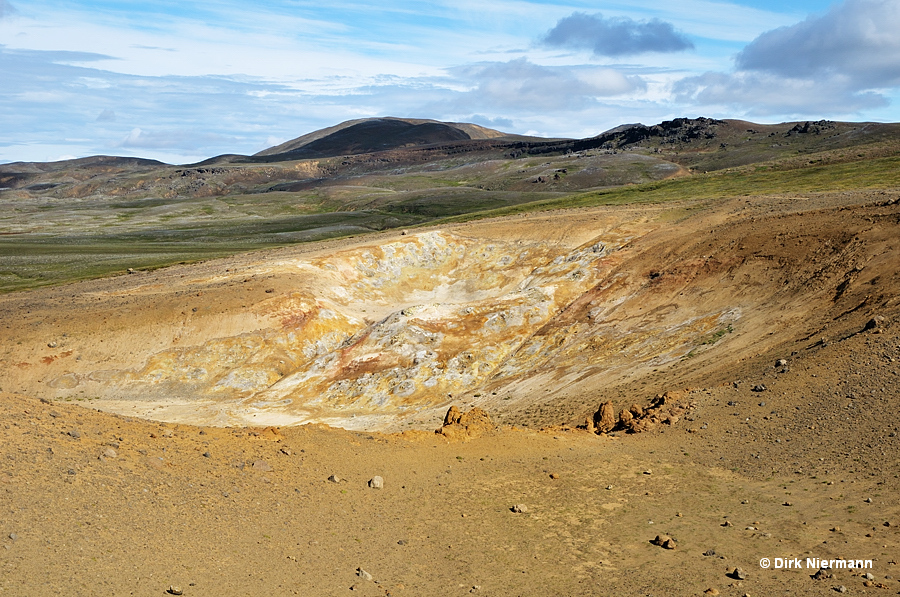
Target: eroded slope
point(555, 311)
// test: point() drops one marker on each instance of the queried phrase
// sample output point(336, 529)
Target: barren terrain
point(265, 422)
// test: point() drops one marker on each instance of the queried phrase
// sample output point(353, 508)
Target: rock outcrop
point(664, 409)
point(461, 426)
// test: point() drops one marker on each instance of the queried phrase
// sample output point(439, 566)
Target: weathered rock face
point(375, 333)
point(462, 426)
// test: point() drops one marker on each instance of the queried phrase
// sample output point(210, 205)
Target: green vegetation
point(882, 173)
point(59, 235)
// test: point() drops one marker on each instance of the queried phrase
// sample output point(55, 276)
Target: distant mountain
point(369, 135)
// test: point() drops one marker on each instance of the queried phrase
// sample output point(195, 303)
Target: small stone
point(207, 455)
point(363, 574)
point(759, 388)
point(738, 574)
point(868, 500)
point(402, 542)
point(711, 591)
point(609, 487)
point(788, 504)
point(519, 508)
point(781, 363)
point(841, 589)
point(110, 453)
point(376, 482)
point(51, 344)
point(74, 433)
point(285, 451)
point(262, 466)
point(554, 476)
point(726, 524)
point(13, 537)
point(869, 576)
point(822, 574)
point(173, 590)
point(334, 479)
point(709, 552)
point(648, 472)
point(875, 323)
point(669, 544)
point(836, 529)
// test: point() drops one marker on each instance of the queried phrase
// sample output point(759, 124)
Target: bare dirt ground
point(789, 459)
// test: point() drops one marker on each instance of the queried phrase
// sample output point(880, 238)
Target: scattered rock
point(711, 591)
point(207, 455)
point(869, 576)
point(262, 466)
point(363, 574)
point(868, 500)
point(376, 482)
point(13, 537)
point(110, 453)
point(822, 574)
point(758, 388)
point(726, 524)
point(173, 590)
point(876, 323)
point(554, 476)
point(334, 479)
point(709, 552)
point(781, 363)
point(664, 541)
point(74, 433)
point(841, 589)
point(519, 508)
point(788, 504)
point(738, 574)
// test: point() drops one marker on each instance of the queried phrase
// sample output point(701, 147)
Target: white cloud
point(857, 39)
point(764, 95)
point(523, 85)
point(840, 63)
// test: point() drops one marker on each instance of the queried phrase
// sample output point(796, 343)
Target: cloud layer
point(842, 62)
point(6, 9)
point(857, 39)
point(618, 36)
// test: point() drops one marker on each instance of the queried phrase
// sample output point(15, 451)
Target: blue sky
point(183, 81)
